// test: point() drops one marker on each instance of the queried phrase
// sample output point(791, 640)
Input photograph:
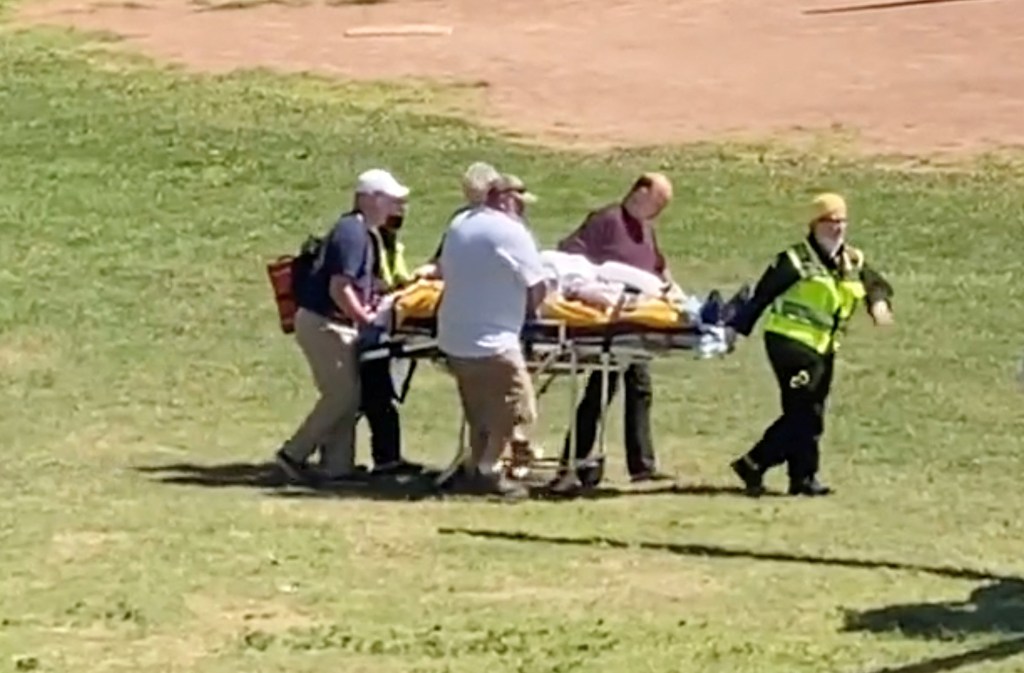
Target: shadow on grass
point(267, 476)
point(996, 608)
point(712, 551)
point(991, 608)
point(1003, 649)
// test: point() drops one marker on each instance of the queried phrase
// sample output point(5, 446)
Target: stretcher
point(569, 338)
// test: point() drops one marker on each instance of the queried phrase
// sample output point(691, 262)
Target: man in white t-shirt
point(493, 278)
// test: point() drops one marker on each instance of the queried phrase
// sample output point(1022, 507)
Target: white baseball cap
point(380, 181)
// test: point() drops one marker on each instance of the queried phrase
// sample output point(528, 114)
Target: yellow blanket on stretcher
point(419, 302)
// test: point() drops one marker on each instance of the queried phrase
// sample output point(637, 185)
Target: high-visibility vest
point(393, 270)
point(815, 309)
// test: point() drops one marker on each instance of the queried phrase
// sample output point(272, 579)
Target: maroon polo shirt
point(613, 235)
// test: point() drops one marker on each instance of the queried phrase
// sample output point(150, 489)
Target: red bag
point(280, 273)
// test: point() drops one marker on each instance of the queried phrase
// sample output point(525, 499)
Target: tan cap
point(511, 183)
point(516, 184)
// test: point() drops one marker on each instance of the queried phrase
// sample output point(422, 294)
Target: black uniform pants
point(804, 378)
point(639, 396)
point(378, 405)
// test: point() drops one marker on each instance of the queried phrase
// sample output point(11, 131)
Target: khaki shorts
point(497, 397)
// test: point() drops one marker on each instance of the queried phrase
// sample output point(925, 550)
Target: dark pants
point(639, 395)
point(378, 405)
point(805, 378)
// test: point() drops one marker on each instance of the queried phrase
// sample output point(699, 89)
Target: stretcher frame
point(568, 354)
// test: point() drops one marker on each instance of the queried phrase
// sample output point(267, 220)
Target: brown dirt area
point(942, 77)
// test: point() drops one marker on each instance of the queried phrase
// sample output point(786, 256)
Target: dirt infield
point(939, 77)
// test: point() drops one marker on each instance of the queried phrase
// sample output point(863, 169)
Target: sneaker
point(650, 475)
point(564, 482)
point(510, 490)
point(519, 465)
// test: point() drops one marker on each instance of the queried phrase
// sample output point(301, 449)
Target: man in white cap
point(334, 301)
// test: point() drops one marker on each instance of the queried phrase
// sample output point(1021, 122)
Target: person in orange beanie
point(810, 293)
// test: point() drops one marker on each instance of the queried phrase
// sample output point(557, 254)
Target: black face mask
point(394, 222)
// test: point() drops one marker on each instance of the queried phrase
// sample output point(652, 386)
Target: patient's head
point(648, 196)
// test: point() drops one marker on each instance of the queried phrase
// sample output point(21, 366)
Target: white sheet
point(576, 270)
point(604, 284)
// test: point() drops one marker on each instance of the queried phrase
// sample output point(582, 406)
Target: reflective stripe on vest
point(392, 268)
point(399, 271)
point(816, 307)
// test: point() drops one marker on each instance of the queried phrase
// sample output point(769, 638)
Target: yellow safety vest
point(393, 269)
point(818, 306)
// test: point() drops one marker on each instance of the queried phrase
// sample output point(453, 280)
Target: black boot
point(751, 474)
point(809, 486)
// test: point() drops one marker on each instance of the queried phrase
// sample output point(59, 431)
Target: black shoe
point(359, 475)
point(496, 484)
point(738, 300)
point(398, 468)
point(711, 311)
point(753, 479)
point(809, 487)
point(292, 469)
point(589, 473)
point(650, 475)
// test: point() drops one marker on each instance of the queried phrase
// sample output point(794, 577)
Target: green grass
point(137, 331)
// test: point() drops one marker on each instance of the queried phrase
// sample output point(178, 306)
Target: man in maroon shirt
point(622, 232)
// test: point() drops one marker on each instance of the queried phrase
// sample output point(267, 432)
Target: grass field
point(140, 359)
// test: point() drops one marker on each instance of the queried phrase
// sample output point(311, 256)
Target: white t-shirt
point(488, 263)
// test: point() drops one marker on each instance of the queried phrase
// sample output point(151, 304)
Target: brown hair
point(643, 182)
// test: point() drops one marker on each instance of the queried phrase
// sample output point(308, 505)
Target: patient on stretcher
point(586, 295)
point(605, 286)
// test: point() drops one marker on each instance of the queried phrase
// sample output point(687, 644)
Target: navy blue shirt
point(348, 252)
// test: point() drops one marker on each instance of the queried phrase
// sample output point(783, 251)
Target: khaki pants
point(333, 356)
point(498, 399)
